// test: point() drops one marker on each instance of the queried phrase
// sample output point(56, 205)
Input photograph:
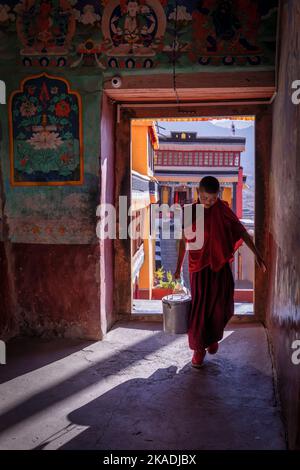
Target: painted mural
point(228, 27)
point(128, 34)
point(133, 31)
point(45, 133)
point(45, 29)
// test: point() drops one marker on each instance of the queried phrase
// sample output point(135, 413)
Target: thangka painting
point(45, 133)
point(131, 28)
point(133, 34)
point(149, 33)
point(45, 29)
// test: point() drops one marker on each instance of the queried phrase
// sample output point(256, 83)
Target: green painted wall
point(56, 214)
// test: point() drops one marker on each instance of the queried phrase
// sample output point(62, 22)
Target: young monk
point(211, 279)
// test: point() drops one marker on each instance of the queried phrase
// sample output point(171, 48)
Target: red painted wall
point(58, 289)
point(8, 320)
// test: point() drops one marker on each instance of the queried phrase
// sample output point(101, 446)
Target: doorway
point(124, 287)
point(168, 159)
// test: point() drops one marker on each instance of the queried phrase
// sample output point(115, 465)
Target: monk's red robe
point(211, 279)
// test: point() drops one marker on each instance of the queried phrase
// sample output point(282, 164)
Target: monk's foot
point(198, 358)
point(213, 348)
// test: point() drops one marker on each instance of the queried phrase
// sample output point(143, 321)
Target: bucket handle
point(182, 290)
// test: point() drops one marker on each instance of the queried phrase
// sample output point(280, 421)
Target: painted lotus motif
point(45, 140)
point(45, 133)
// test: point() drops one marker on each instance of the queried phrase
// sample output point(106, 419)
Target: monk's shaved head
point(210, 185)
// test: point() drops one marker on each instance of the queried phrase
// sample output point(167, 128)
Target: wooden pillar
point(122, 247)
point(263, 137)
point(234, 197)
point(239, 194)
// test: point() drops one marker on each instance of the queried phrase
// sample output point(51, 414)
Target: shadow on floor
point(216, 407)
point(137, 390)
point(77, 382)
point(25, 354)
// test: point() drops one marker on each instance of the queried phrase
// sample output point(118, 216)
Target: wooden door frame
point(263, 135)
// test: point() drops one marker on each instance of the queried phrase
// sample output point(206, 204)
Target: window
point(237, 159)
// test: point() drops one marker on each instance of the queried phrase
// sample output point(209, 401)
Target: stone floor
point(137, 390)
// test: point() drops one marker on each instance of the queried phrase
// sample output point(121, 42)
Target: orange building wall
point(139, 163)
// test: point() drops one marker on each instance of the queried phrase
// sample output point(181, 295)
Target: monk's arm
point(249, 242)
point(181, 253)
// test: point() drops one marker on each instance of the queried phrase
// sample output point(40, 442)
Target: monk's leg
point(221, 300)
point(199, 283)
point(212, 306)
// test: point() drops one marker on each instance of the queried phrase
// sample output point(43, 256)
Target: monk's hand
point(261, 263)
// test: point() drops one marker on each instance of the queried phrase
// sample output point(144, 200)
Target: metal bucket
point(176, 311)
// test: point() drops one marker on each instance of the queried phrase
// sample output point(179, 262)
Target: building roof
point(186, 138)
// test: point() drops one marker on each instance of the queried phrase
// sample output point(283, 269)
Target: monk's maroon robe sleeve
point(236, 227)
